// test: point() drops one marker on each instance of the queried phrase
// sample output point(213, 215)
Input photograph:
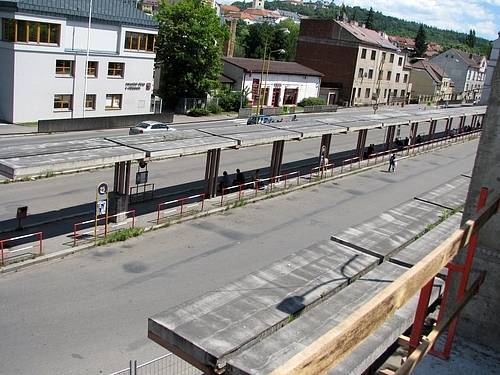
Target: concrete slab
point(417, 250)
point(388, 232)
point(274, 350)
point(139, 139)
point(258, 304)
point(450, 195)
point(311, 130)
point(254, 135)
point(65, 161)
point(185, 146)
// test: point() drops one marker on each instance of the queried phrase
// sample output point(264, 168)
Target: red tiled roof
point(229, 8)
point(367, 35)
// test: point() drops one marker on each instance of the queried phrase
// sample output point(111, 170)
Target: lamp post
point(280, 51)
point(85, 72)
point(286, 31)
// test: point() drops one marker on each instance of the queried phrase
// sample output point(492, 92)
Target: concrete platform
point(388, 232)
point(417, 250)
point(253, 135)
point(242, 313)
point(451, 195)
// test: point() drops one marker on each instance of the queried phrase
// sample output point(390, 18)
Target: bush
point(311, 101)
point(121, 235)
point(198, 112)
point(214, 108)
point(230, 101)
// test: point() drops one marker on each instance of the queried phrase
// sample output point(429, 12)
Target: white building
point(283, 83)
point(43, 54)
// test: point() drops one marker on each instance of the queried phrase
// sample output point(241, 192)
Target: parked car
point(149, 127)
point(262, 119)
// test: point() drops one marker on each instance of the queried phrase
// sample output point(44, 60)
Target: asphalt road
point(56, 193)
point(87, 314)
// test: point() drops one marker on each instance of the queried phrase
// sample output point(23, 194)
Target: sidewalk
point(60, 238)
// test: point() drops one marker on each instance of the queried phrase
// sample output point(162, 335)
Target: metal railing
point(19, 246)
point(91, 230)
point(179, 207)
point(168, 364)
point(141, 193)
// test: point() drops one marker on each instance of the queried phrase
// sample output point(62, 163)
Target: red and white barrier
point(92, 229)
point(9, 247)
point(179, 207)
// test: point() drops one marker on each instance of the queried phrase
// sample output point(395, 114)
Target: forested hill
point(390, 25)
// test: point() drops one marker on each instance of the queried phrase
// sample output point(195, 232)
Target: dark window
point(397, 77)
point(92, 69)
point(400, 61)
point(383, 56)
point(90, 100)
point(139, 42)
point(290, 96)
point(363, 53)
point(405, 78)
point(64, 67)
point(114, 101)
point(380, 74)
point(116, 69)
point(395, 93)
point(360, 73)
point(63, 102)
point(391, 59)
point(389, 73)
point(370, 73)
point(374, 55)
point(367, 93)
point(30, 32)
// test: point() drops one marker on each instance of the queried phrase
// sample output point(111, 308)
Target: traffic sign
point(102, 189)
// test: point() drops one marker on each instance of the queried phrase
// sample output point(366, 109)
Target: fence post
point(74, 234)
point(133, 218)
point(158, 215)
point(182, 205)
point(222, 196)
point(239, 192)
point(202, 201)
point(41, 242)
point(1, 250)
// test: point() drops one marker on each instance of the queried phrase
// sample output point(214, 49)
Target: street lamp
point(85, 72)
point(265, 55)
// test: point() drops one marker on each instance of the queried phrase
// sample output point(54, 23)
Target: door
point(276, 97)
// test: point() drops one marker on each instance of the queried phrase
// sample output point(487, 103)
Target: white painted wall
point(308, 85)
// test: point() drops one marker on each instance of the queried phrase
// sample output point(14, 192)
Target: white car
point(150, 126)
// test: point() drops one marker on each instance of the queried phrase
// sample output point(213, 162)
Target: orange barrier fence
point(322, 171)
point(21, 245)
point(92, 229)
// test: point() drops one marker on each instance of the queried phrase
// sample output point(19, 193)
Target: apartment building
point(45, 70)
point(467, 71)
point(430, 81)
point(362, 65)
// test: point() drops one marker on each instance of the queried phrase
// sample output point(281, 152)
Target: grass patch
point(28, 124)
point(445, 214)
point(121, 235)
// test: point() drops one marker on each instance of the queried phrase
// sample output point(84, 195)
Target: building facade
point(46, 72)
point(429, 81)
point(362, 65)
point(492, 63)
point(282, 84)
point(466, 70)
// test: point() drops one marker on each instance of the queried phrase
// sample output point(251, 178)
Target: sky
point(459, 15)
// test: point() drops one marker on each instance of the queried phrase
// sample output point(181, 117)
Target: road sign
point(102, 189)
point(141, 177)
point(102, 207)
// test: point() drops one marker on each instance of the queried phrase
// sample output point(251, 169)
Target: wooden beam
point(429, 341)
point(337, 343)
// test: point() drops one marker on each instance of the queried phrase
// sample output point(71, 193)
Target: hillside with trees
point(390, 25)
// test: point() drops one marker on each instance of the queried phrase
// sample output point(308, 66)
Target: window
point(383, 56)
point(140, 42)
point(359, 92)
point(377, 93)
point(385, 93)
point(405, 78)
point(64, 67)
point(367, 93)
point(363, 53)
point(30, 32)
point(370, 73)
point(397, 77)
point(92, 69)
point(90, 100)
point(360, 73)
point(389, 73)
point(380, 74)
point(374, 55)
point(114, 101)
point(400, 61)
point(403, 93)
point(391, 58)
point(395, 93)
point(290, 96)
point(116, 69)
point(63, 102)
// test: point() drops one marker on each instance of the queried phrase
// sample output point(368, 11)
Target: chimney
point(363, 25)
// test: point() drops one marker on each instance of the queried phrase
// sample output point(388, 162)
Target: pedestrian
point(224, 182)
point(240, 178)
point(392, 163)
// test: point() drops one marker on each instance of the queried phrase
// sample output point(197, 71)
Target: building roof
point(122, 12)
point(434, 70)
point(469, 58)
point(262, 12)
point(276, 67)
point(402, 41)
point(229, 8)
point(368, 36)
point(225, 79)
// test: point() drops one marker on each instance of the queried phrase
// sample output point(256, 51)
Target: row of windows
point(475, 75)
point(373, 56)
point(369, 75)
point(65, 102)
point(67, 68)
point(140, 42)
point(30, 32)
point(393, 93)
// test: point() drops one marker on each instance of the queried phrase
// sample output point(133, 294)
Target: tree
point(470, 40)
point(369, 19)
point(262, 34)
point(189, 49)
point(420, 43)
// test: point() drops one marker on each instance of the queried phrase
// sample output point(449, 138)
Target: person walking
point(392, 163)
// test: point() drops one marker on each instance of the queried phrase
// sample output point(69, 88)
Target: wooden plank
point(341, 340)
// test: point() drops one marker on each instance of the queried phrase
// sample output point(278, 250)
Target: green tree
point(420, 42)
point(290, 39)
point(470, 40)
point(265, 34)
point(189, 49)
point(369, 20)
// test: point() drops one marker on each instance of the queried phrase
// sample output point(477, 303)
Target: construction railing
point(179, 207)
point(323, 171)
point(237, 192)
point(168, 364)
point(28, 244)
point(91, 230)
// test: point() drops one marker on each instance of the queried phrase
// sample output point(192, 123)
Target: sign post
point(101, 207)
